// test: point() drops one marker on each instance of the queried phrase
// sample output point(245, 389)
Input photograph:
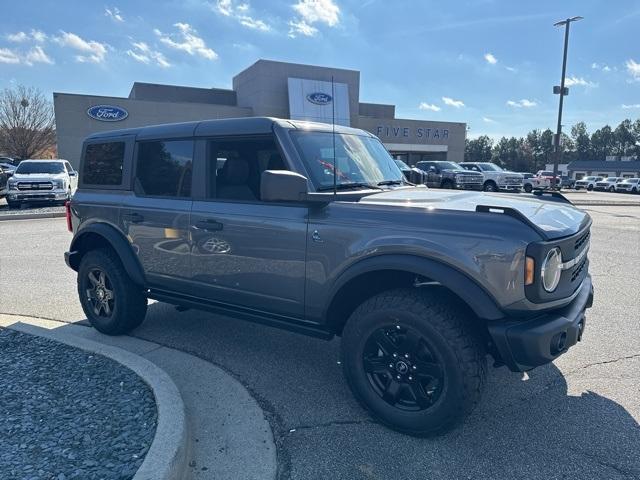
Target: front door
point(155, 216)
point(244, 251)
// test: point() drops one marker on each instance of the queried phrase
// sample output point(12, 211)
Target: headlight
point(58, 183)
point(551, 269)
point(12, 184)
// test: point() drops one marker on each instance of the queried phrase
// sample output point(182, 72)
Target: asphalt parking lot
point(577, 418)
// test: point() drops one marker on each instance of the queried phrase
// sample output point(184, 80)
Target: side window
point(103, 163)
point(163, 168)
point(68, 166)
point(235, 166)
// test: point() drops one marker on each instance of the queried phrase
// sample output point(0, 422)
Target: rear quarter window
point(103, 163)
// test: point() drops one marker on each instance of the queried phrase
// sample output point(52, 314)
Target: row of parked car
point(492, 178)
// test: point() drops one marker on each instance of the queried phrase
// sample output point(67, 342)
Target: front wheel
point(412, 361)
point(113, 304)
point(490, 186)
point(528, 188)
point(590, 188)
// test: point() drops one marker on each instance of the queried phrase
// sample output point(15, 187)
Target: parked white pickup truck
point(495, 178)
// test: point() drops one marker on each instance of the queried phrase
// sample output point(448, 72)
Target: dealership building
point(266, 88)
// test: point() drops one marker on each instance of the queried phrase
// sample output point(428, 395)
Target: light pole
point(562, 91)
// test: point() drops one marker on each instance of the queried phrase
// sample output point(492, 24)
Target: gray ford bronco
point(298, 226)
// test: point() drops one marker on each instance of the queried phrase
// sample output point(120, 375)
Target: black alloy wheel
point(402, 368)
point(100, 293)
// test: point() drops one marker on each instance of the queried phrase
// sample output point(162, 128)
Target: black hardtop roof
point(227, 126)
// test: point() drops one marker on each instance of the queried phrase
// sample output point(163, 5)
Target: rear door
point(244, 251)
point(155, 215)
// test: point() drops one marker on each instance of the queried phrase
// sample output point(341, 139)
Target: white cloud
point(321, 11)
point(511, 69)
point(488, 120)
point(114, 14)
point(21, 37)
point(313, 11)
point(580, 81)
point(142, 53)
point(301, 28)
point(632, 106)
point(94, 52)
point(603, 67)
point(429, 106)
point(35, 55)
point(524, 103)
point(188, 41)
point(633, 69)
point(9, 56)
point(38, 36)
point(17, 37)
point(490, 58)
point(453, 103)
point(239, 11)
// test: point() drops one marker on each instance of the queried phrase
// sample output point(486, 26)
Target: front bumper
point(526, 344)
point(55, 195)
point(510, 188)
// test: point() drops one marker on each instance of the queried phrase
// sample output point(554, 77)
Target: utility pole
point(562, 91)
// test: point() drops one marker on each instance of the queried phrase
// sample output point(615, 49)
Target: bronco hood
point(554, 218)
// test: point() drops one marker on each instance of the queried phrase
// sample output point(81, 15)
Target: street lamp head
point(568, 20)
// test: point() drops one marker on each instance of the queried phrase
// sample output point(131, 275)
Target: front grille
point(513, 181)
point(469, 179)
point(35, 186)
point(581, 241)
point(578, 270)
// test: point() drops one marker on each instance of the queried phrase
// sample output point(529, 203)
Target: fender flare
point(474, 295)
point(117, 241)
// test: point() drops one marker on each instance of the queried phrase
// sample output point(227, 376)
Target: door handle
point(133, 217)
point(209, 225)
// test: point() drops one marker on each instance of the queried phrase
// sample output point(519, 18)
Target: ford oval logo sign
point(107, 113)
point(319, 98)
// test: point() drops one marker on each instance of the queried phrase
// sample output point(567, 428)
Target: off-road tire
point(130, 303)
point(450, 334)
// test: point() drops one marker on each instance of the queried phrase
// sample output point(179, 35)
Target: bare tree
point(27, 124)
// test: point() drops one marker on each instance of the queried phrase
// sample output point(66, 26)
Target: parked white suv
point(41, 181)
point(495, 178)
point(587, 182)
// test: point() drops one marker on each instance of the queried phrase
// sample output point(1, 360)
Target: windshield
point(359, 160)
point(40, 167)
point(402, 165)
point(449, 166)
point(489, 167)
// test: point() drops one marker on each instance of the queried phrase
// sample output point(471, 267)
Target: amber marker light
point(529, 269)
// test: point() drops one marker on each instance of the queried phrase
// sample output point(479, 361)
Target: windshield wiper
point(347, 186)
point(393, 182)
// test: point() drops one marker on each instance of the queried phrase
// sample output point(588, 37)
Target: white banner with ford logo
point(314, 100)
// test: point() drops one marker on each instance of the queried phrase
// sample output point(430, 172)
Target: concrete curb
point(168, 455)
point(28, 216)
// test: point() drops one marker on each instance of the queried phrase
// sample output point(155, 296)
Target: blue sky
point(489, 63)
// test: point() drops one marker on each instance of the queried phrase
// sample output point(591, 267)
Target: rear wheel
point(111, 301)
point(412, 361)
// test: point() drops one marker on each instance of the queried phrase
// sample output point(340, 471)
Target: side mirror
point(282, 186)
point(73, 173)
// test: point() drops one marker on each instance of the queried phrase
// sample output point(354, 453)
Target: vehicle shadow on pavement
point(549, 426)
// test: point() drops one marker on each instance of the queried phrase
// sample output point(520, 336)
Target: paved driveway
point(577, 418)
